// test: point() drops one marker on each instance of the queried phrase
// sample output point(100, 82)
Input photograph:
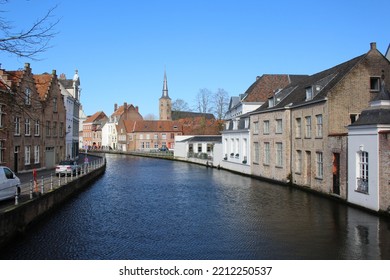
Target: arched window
point(362, 180)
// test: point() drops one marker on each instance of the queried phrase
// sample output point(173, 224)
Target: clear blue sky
point(122, 47)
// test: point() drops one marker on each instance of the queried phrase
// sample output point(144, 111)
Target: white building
point(70, 89)
point(368, 156)
point(235, 145)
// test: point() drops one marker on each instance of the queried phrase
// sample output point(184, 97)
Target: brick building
point(32, 117)
point(300, 134)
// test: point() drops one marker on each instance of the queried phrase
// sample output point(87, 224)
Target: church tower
point(165, 103)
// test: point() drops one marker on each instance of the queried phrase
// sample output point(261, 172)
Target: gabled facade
point(92, 130)
point(32, 118)
point(299, 135)
point(109, 130)
point(21, 133)
point(53, 118)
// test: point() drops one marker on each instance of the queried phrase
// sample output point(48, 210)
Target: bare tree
point(221, 103)
point(203, 101)
point(150, 117)
point(28, 42)
point(180, 105)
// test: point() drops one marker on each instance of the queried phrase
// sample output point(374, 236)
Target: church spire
point(165, 86)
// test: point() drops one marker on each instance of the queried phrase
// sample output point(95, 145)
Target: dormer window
point(309, 93)
point(271, 102)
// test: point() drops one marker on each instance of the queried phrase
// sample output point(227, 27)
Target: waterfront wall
point(17, 219)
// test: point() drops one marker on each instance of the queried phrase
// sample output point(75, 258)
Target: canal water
point(146, 208)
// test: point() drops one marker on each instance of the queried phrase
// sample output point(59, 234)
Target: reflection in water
point(156, 209)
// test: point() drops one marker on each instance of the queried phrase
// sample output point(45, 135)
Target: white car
point(9, 183)
point(68, 167)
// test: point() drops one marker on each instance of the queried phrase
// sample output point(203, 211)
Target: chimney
point(115, 107)
point(136, 108)
point(27, 66)
point(54, 72)
point(373, 46)
point(125, 107)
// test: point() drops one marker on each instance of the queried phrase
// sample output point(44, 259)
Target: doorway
point(336, 173)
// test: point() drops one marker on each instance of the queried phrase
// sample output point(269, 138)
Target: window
point(279, 154)
point(298, 162)
point(1, 115)
point(55, 105)
point(36, 154)
point(17, 125)
point(61, 132)
point(27, 152)
point(319, 126)
point(27, 127)
point(48, 129)
point(147, 145)
point(199, 148)
point(256, 128)
point(319, 165)
point(27, 96)
point(353, 117)
point(308, 127)
point(309, 93)
point(55, 129)
point(298, 127)
point(2, 151)
point(36, 128)
point(362, 180)
point(164, 136)
point(267, 152)
point(279, 126)
point(266, 127)
point(374, 83)
point(257, 152)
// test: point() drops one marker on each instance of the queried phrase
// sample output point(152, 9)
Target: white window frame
point(298, 128)
point(362, 165)
point(308, 127)
point(319, 165)
point(27, 96)
point(279, 154)
point(27, 155)
point(267, 153)
point(37, 128)
point(279, 126)
point(27, 127)
point(36, 154)
point(319, 126)
point(266, 127)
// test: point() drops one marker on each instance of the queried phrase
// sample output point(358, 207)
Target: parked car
point(163, 149)
point(68, 167)
point(9, 183)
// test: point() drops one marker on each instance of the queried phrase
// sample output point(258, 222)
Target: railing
point(42, 185)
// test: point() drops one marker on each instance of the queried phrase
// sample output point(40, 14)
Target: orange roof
point(95, 117)
point(152, 126)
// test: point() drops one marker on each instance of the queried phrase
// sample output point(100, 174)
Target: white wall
point(365, 138)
